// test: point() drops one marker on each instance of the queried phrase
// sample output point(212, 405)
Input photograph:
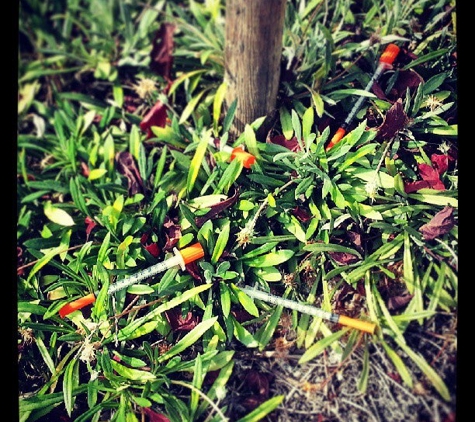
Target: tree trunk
point(253, 51)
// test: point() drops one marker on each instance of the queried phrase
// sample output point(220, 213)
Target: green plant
point(353, 229)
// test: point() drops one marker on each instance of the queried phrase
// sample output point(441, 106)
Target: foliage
point(366, 229)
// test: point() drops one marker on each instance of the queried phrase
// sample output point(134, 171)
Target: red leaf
point(194, 270)
point(430, 176)
point(84, 169)
point(162, 50)
point(440, 224)
point(395, 376)
point(154, 416)
point(211, 377)
point(397, 302)
point(394, 121)
point(406, 79)
point(217, 208)
point(180, 323)
point(126, 166)
point(90, 224)
point(417, 185)
point(253, 402)
point(172, 233)
point(19, 253)
point(153, 249)
point(355, 238)
point(157, 116)
point(440, 162)
point(301, 214)
point(343, 258)
point(241, 315)
point(291, 144)
point(256, 385)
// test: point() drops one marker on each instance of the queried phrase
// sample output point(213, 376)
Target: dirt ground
point(325, 389)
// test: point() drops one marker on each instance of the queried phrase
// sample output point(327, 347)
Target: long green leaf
point(218, 389)
point(427, 369)
point(232, 172)
point(408, 269)
point(247, 303)
point(387, 316)
point(354, 156)
point(330, 247)
point(221, 242)
point(189, 339)
point(131, 373)
point(271, 259)
point(265, 333)
point(45, 259)
point(198, 378)
point(183, 78)
point(321, 345)
point(434, 199)
point(70, 382)
point(398, 364)
point(263, 410)
point(286, 123)
point(363, 381)
point(127, 331)
point(197, 161)
point(217, 104)
point(242, 334)
point(190, 107)
point(45, 355)
point(41, 401)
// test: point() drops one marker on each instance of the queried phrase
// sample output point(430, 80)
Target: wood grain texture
point(253, 51)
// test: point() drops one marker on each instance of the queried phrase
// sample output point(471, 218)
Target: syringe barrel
point(148, 272)
point(287, 303)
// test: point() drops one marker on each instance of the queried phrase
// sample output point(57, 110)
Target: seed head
point(371, 189)
point(145, 87)
point(88, 353)
point(433, 102)
point(245, 235)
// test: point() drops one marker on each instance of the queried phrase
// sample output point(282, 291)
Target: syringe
point(238, 153)
point(365, 326)
point(385, 62)
point(181, 258)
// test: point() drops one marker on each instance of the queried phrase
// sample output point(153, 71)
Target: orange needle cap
point(336, 138)
point(246, 159)
point(192, 253)
point(366, 326)
point(389, 54)
point(77, 304)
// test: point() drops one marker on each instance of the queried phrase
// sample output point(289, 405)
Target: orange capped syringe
point(385, 62)
point(181, 258)
point(359, 324)
point(237, 153)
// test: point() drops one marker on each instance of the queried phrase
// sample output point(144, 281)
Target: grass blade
point(398, 364)
point(317, 348)
point(70, 381)
point(197, 161)
point(189, 339)
point(427, 369)
point(263, 410)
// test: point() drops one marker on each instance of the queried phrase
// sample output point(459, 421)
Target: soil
point(325, 389)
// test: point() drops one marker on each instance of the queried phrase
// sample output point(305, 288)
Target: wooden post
point(253, 51)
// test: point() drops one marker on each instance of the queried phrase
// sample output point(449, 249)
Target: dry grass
point(326, 388)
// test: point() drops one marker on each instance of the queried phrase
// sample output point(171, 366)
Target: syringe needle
point(359, 324)
point(181, 258)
